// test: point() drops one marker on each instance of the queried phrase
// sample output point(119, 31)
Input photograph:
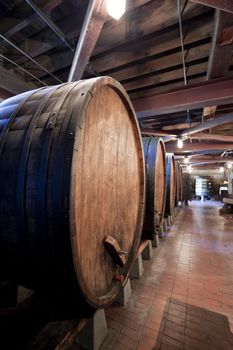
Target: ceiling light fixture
point(180, 143)
point(186, 160)
point(116, 8)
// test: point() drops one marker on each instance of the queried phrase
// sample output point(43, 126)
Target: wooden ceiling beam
point(197, 159)
point(180, 126)
point(147, 131)
point(216, 137)
point(225, 5)
point(219, 91)
point(91, 29)
point(220, 56)
point(198, 146)
point(228, 118)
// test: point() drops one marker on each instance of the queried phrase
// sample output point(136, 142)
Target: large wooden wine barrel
point(179, 183)
point(170, 184)
point(155, 159)
point(71, 175)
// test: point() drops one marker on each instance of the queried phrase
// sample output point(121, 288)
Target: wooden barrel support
point(71, 174)
point(170, 184)
point(154, 152)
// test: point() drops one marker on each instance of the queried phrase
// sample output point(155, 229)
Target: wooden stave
point(170, 184)
point(68, 275)
point(151, 224)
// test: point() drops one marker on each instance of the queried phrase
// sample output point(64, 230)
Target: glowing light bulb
point(186, 160)
point(116, 8)
point(180, 143)
point(189, 168)
point(221, 169)
point(229, 165)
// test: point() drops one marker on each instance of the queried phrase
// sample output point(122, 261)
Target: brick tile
point(127, 341)
point(171, 344)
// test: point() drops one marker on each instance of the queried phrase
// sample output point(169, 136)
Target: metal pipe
point(51, 24)
point(24, 70)
point(182, 41)
point(29, 57)
point(188, 120)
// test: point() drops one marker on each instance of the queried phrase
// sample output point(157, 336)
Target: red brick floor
point(185, 298)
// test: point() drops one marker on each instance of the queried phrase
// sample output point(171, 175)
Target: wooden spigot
point(112, 246)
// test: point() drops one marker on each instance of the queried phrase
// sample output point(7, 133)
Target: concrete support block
point(167, 222)
point(165, 225)
point(147, 253)
point(137, 269)
point(125, 294)
point(171, 220)
point(160, 232)
point(94, 333)
point(155, 242)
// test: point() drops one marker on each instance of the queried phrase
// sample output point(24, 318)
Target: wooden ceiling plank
point(164, 77)
point(160, 63)
point(225, 5)
point(134, 26)
point(162, 42)
point(12, 24)
point(13, 83)
point(63, 59)
point(46, 40)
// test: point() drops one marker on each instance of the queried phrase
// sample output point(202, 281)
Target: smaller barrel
point(170, 184)
point(187, 188)
point(155, 161)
